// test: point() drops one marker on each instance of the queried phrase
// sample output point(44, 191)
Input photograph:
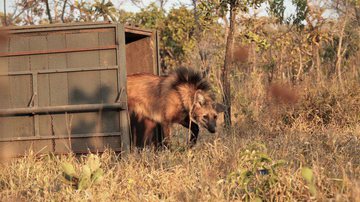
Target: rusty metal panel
point(5, 94)
point(19, 63)
point(106, 38)
point(83, 59)
point(108, 83)
point(54, 67)
point(108, 58)
point(135, 50)
point(20, 90)
point(66, 86)
point(56, 42)
point(84, 87)
point(83, 145)
point(16, 148)
point(58, 89)
point(38, 61)
point(124, 121)
point(110, 120)
point(82, 40)
point(59, 124)
point(16, 126)
point(43, 90)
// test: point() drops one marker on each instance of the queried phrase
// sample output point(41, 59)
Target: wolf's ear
point(219, 107)
point(200, 98)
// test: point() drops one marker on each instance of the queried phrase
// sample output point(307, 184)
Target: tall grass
point(298, 142)
point(317, 134)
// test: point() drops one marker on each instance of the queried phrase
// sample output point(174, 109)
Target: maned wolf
point(182, 97)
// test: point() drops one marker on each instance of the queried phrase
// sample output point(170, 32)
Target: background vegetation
point(293, 83)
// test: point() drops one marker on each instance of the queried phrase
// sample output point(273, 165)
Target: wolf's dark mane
point(180, 76)
point(190, 76)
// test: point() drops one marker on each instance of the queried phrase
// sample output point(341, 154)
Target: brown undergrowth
point(304, 150)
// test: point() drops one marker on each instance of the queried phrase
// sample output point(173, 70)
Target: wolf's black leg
point(194, 130)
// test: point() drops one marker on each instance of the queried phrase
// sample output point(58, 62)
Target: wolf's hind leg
point(149, 131)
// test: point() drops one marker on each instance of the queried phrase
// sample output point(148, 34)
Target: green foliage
point(261, 43)
point(301, 12)
point(151, 17)
point(255, 175)
point(351, 42)
point(277, 9)
point(308, 176)
point(208, 14)
point(90, 173)
point(178, 34)
point(177, 30)
point(98, 10)
point(106, 9)
point(242, 5)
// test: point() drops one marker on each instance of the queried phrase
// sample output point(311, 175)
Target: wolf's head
point(205, 110)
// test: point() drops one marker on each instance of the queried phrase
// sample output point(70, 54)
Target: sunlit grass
point(201, 174)
point(316, 141)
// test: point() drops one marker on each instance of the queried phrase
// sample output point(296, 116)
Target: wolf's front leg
point(167, 133)
point(194, 128)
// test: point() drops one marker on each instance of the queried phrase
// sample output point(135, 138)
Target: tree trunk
point(227, 65)
point(357, 15)
point(63, 11)
point(318, 65)
point(226, 23)
point(48, 11)
point(339, 55)
point(5, 17)
point(300, 66)
point(281, 68)
point(253, 47)
point(55, 10)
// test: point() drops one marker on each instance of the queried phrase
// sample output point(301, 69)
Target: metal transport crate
point(63, 86)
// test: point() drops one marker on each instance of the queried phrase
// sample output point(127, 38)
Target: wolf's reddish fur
point(181, 97)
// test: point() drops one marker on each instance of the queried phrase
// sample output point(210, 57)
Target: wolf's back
point(143, 95)
point(149, 95)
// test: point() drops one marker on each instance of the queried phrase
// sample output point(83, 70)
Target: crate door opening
point(141, 54)
point(141, 57)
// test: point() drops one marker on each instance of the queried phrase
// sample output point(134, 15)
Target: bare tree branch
point(48, 11)
point(163, 3)
point(227, 63)
point(14, 16)
point(63, 11)
point(5, 14)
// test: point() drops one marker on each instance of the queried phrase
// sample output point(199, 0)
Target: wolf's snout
point(211, 127)
point(212, 130)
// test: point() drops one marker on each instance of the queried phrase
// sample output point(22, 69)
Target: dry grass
point(321, 131)
point(195, 175)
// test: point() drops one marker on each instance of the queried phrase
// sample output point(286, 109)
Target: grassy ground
point(304, 152)
point(210, 172)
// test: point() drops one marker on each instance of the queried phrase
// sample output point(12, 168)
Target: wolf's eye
point(206, 116)
point(215, 116)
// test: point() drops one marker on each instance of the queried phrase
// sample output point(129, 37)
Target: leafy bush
point(90, 173)
point(255, 175)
